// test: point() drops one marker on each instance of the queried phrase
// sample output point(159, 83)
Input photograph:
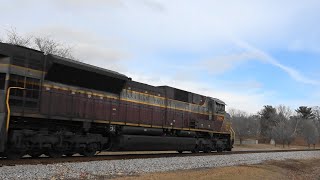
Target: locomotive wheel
point(219, 150)
point(207, 150)
point(89, 153)
point(13, 155)
point(54, 154)
point(197, 149)
point(90, 150)
point(35, 154)
point(69, 154)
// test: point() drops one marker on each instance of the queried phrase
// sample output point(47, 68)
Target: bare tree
point(232, 112)
point(310, 133)
point(245, 126)
point(13, 37)
point(283, 132)
point(50, 46)
point(316, 112)
point(284, 111)
point(45, 44)
point(278, 124)
point(286, 115)
point(316, 119)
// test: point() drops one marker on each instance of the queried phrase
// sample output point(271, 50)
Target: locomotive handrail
point(8, 106)
point(233, 133)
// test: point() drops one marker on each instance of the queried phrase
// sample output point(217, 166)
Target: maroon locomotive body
point(56, 106)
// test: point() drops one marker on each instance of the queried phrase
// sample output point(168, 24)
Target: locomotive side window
point(28, 97)
point(16, 81)
point(16, 95)
point(181, 95)
point(2, 80)
point(32, 86)
point(196, 99)
point(82, 78)
point(19, 60)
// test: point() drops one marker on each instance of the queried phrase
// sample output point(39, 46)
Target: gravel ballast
point(114, 168)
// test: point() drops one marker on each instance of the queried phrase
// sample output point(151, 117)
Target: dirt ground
point(289, 169)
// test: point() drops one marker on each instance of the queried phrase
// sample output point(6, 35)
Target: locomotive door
point(114, 111)
point(211, 108)
point(2, 92)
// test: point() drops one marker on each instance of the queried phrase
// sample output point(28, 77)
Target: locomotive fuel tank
point(153, 143)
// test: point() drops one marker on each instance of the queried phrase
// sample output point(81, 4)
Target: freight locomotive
point(56, 106)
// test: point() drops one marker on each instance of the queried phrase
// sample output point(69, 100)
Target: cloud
point(265, 57)
point(154, 5)
point(192, 23)
point(79, 4)
point(68, 33)
point(244, 85)
point(127, 35)
point(221, 64)
point(85, 3)
point(304, 45)
point(87, 46)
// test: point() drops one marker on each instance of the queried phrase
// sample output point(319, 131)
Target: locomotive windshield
point(217, 106)
point(220, 108)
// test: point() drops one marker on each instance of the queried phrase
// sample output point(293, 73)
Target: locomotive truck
point(57, 106)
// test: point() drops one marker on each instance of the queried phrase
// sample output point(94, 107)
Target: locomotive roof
point(10, 50)
point(7, 49)
point(87, 67)
point(218, 101)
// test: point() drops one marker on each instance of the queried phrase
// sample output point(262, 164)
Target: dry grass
point(290, 169)
point(267, 147)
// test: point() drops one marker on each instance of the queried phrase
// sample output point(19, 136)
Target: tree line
point(281, 123)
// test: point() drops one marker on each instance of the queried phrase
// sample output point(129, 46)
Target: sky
point(247, 53)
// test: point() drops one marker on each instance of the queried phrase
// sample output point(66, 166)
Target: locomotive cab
point(216, 106)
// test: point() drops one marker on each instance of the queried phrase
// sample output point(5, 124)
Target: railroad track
point(47, 160)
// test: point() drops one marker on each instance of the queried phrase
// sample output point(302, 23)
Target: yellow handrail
point(233, 133)
point(8, 106)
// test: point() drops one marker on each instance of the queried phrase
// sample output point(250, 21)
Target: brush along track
point(47, 160)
